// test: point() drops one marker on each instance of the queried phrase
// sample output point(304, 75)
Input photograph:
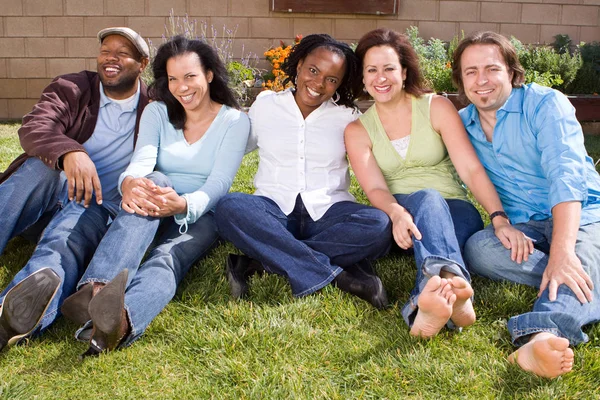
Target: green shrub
point(434, 60)
point(588, 77)
point(586, 82)
point(545, 66)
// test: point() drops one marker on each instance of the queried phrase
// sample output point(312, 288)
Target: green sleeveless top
point(427, 164)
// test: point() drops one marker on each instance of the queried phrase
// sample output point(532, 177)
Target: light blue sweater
point(201, 172)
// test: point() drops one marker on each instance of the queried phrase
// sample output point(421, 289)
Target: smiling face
point(188, 82)
point(383, 74)
point(319, 74)
point(486, 77)
point(119, 66)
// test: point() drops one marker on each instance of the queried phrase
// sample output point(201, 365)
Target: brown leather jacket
point(63, 119)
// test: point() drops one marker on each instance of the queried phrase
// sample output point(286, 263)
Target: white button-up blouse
point(300, 156)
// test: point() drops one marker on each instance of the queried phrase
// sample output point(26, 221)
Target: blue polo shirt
point(111, 145)
point(536, 158)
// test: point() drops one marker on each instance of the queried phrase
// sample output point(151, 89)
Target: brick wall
point(40, 39)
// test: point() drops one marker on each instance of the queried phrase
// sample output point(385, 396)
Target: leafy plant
point(545, 66)
point(434, 59)
point(562, 43)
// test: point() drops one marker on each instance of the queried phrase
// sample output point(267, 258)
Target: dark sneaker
point(25, 304)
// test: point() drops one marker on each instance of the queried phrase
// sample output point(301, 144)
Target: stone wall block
point(540, 14)
point(43, 7)
point(84, 7)
point(27, 68)
point(459, 11)
point(64, 26)
point(24, 26)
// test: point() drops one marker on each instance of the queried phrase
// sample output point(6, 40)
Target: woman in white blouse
point(302, 222)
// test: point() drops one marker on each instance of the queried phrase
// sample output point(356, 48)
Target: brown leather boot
point(108, 315)
point(75, 307)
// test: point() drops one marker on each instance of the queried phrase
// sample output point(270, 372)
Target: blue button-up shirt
point(536, 158)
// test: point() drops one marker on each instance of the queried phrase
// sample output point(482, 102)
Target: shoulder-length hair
point(209, 60)
point(409, 60)
point(350, 85)
point(507, 50)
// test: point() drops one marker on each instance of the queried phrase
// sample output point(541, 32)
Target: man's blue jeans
point(151, 285)
point(563, 317)
point(310, 254)
point(35, 193)
point(445, 226)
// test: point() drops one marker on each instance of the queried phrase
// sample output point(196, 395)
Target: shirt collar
point(129, 106)
point(514, 103)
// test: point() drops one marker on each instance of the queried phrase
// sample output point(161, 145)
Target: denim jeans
point(566, 315)
point(70, 237)
point(151, 285)
point(310, 254)
point(445, 226)
point(29, 198)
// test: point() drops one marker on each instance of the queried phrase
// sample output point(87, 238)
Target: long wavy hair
point(209, 60)
point(351, 82)
point(507, 50)
point(409, 60)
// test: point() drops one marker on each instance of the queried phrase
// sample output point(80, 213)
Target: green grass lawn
point(329, 345)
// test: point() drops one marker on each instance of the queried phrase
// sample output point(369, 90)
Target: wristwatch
point(498, 214)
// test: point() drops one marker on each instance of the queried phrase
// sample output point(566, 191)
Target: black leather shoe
point(364, 285)
point(109, 318)
point(239, 269)
point(25, 304)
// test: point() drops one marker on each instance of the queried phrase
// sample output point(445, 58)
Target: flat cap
point(134, 37)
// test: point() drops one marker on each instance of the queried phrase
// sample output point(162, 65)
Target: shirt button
point(302, 158)
point(301, 140)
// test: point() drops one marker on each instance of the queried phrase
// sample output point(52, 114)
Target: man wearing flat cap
point(62, 191)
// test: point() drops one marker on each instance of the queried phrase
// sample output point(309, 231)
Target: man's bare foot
point(463, 313)
point(435, 307)
point(545, 355)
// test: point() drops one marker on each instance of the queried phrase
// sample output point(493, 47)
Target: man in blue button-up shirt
point(531, 145)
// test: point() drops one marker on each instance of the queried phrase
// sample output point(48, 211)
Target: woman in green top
point(406, 151)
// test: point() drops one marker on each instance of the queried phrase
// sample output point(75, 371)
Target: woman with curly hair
point(302, 222)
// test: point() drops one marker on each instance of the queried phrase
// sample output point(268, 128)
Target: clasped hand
point(144, 197)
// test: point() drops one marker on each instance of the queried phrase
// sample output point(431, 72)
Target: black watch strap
point(498, 214)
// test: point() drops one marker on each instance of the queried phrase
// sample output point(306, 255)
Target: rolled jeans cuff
point(432, 266)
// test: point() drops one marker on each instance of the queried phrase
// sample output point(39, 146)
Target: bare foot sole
point(463, 313)
point(545, 355)
point(435, 308)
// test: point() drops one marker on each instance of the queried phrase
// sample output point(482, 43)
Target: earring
point(296, 80)
point(337, 98)
point(403, 84)
point(365, 90)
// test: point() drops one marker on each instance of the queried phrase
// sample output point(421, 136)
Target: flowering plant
point(276, 57)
